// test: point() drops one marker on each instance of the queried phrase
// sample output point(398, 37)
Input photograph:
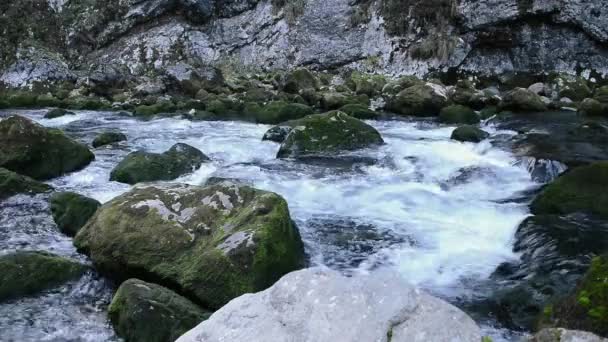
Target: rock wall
point(386, 36)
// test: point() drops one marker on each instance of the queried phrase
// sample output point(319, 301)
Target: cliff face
point(59, 39)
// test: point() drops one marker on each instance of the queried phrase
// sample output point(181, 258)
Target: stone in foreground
point(12, 183)
point(319, 304)
point(41, 153)
point(213, 243)
point(24, 273)
point(564, 335)
point(323, 134)
point(146, 312)
point(71, 211)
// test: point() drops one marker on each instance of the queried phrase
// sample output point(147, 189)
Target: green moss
point(601, 94)
point(522, 100)
point(12, 183)
point(277, 112)
point(22, 100)
point(580, 189)
point(48, 100)
point(25, 273)
point(298, 80)
point(156, 108)
point(71, 211)
point(458, 114)
point(359, 111)
point(593, 107)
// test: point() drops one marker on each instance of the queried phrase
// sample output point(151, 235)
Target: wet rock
point(299, 80)
point(593, 107)
point(212, 243)
point(56, 113)
point(71, 211)
point(278, 111)
point(146, 312)
point(26, 273)
point(522, 100)
point(359, 111)
point(107, 138)
point(328, 133)
point(41, 153)
point(12, 183)
point(321, 305)
point(333, 100)
point(140, 166)
point(572, 87)
point(469, 133)
point(279, 133)
point(420, 100)
point(458, 114)
point(564, 335)
point(578, 190)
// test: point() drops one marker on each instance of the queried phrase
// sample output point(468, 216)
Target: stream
point(441, 213)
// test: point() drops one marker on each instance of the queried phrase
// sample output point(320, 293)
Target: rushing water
point(441, 213)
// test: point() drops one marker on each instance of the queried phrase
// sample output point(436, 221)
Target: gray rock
point(318, 304)
point(563, 335)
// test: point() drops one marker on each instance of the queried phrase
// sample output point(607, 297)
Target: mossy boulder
point(146, 312)
point(463, 92)
point(332, 100)
point(298, 80)
point(71, 211)
point(48, 100)
point(87, 103)
point(581, 189)
point(12, 183)
point(41, 153)
point(322, 134)
point(56, 113)
point(141, 166)
point(213, 243)
point(458, 114)
point(587, 308)
point(107, 138)
point(279, 133)
point(522, 100)
point(469, 133)
point(393, 87)
point(21, 99)
point(593, 107)
point(153, 109)
point(370, 85)
point(572, 87)
point(419, 100)
point(601, 94)
point(359, 111)
point(277, 111)
point(25, 273)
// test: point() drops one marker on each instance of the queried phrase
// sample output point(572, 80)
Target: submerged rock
point(146, 312)
point(579, 190)
point(24, 273)
point(140, 166)
point(322, 305)
point(322, 134)
point(213, 243)
point(469, 133)
point(107, 138)
point(12, 183)
point(41, 153)
point(71, 211)
point(56, 113)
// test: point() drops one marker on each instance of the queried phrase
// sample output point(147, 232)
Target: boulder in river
point(71, 211)
point(322, 134)
point(146, 312)
point(56, 113)
point(318, 304)
point(12, 183)
point(141, 166)
point(458, 114)
point(582, 189)
point(523, 100)
point(359, 111)
point(593, 107)
point(423, 99)
point(107, 138)
point(469, 133)
point(27, 272)
point(214, 243)
point(41, 153)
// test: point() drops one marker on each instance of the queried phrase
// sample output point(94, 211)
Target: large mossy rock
point(593, 107)
point(12, 183)
point(41, 153)
point(458, 114)
point(277, 111)
point(522, 100)
point(573, 87)
point(359, 111)
point(299, 80)
point(322, 134)
point(469, 133)
point(419, 100)
point(214, 243)
point(587, 308)
point(107, 138)
point(146, 312)
point(71, 211)
point(140, 166)
point(583, 189)
point(25, 273)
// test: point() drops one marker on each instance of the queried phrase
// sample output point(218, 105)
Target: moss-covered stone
point(419, 100)
point(458, 114)
point(21, 99)
point(333, 100)
point(593, 107)
point(41, 153)
point(140, 166)
point(393, 87)
point(25, 273)
point(156, 108)
point(573, 87)
point(146, 312)
point(12, 183)
point(601, 94)
point(332, 132)
point(370, 85)
point(298, 80)
point(48, 100)
point(56, 113)
point(213, 243)
point(522, 100)
point(277, 111)
point(469, 133)
point(107, 138)
point(580, 189)
point(87, 103)
point(71, 211)
point(359, 111)
point(463, 92)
